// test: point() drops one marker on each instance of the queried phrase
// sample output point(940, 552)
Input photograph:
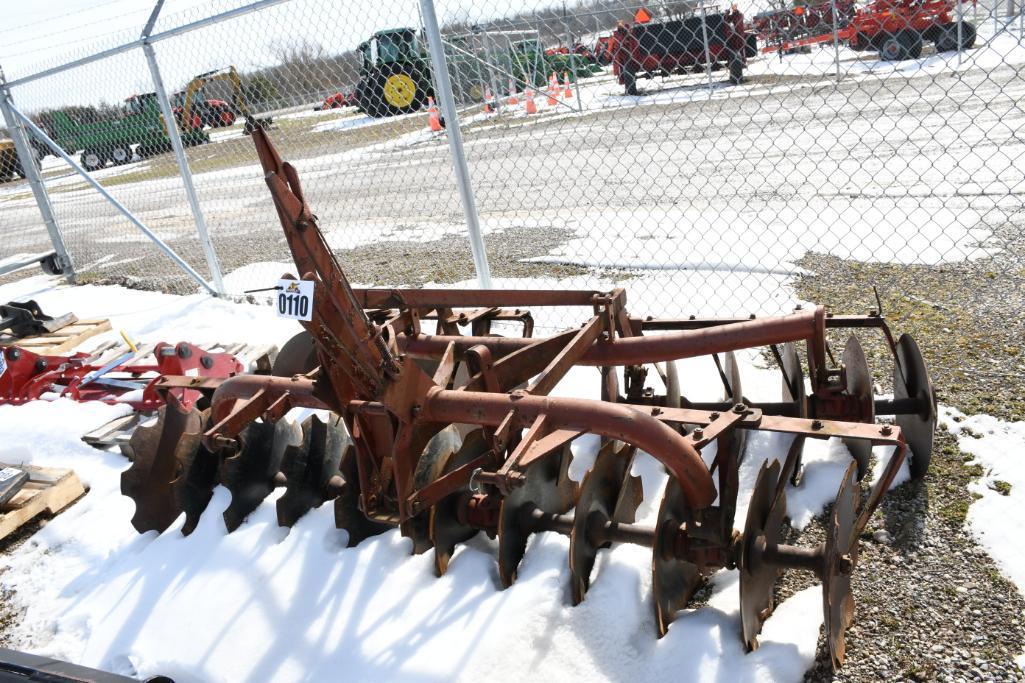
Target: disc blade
point(348, 515)
point(155, 451)
point(735, 394)
point(859, 384)
point(547, 487)
point(599, 493)
point(446, 529)
point(673, 581)
point(251, 472)
point(839, 560)
point(296, 357)
point(758, 578)
point(312, 468)
point(911, 380)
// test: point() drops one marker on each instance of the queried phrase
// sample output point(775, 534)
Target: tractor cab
point(395, 75)
point(393, 46)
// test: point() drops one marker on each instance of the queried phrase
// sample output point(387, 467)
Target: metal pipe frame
point(168, 251)
point(35, 181)
point(455, 141)
point(174, 136)
point(155, 38)
point(640, 350)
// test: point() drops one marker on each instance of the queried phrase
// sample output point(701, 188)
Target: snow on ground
point(194, 608)
point(997, 517)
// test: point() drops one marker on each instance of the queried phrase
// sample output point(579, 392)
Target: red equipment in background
point(30, 377)
point(650, 49)
point(340, 99)
point(803, 21)
point(896, 28)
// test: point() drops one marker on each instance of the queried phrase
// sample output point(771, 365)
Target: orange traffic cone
point(529, 105)
point(433, 118)
point(568, 90)
point(487, 101)
point(553, 88)
point(512, 93)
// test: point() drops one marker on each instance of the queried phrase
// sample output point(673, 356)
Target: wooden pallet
point(61, 341)
point(114, 433)
point(48, 490)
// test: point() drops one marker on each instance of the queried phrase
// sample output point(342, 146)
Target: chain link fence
point(696, 152)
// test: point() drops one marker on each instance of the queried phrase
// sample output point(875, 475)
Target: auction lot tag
point(8, 473)
point(295, 299)
point(3, 363)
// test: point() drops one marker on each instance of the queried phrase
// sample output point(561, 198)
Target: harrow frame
point(453, 434)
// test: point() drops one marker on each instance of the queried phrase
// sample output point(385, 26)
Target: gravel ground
point(931, 605)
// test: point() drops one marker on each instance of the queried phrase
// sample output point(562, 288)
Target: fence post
point(455, 141)
point(179, 154)
point(28, 164)
point(960, 20)
point(708, 54)
point(836, 38)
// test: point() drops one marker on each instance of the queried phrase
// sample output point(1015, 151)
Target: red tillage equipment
point(711, 38)
point(445, 436)
point(897, 29)
point(30, 377)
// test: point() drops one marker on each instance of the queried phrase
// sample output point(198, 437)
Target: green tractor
point(395, 74)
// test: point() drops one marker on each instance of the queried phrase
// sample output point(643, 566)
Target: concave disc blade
point(794, 391)
point(312, 468)
point(250, 473)
point(911, 380)
point(599, 493)
point(155, 451)
point(548, 488)
point(735, 395)
point(298, 356)
point(859, 384)
point(758, 578)
point(438, 446)
point(673, 581)
point(840, 550)
point(446, 531)
point(348, 515)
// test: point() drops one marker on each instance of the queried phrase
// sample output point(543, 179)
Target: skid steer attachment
point(445, 435)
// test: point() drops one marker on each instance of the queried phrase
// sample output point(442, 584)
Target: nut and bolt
point(698, 433)
point(816, 424)
point(886, 430)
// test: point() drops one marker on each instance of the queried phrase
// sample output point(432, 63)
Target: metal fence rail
point(705, 148)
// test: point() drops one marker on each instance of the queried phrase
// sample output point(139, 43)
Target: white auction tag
point(295, 299)
point(3, 363)
point(8, 473)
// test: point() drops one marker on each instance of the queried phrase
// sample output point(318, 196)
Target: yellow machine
point(10, 165)
point(192, 99)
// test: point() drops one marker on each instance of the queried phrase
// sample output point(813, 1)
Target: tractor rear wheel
point(900, 46)
point(396, 89)
point(967, 35)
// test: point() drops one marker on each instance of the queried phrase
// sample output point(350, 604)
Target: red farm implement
point(897, 29)
point(650, 49)
point(446, 435)
point(802, 21)
point(122, 379)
